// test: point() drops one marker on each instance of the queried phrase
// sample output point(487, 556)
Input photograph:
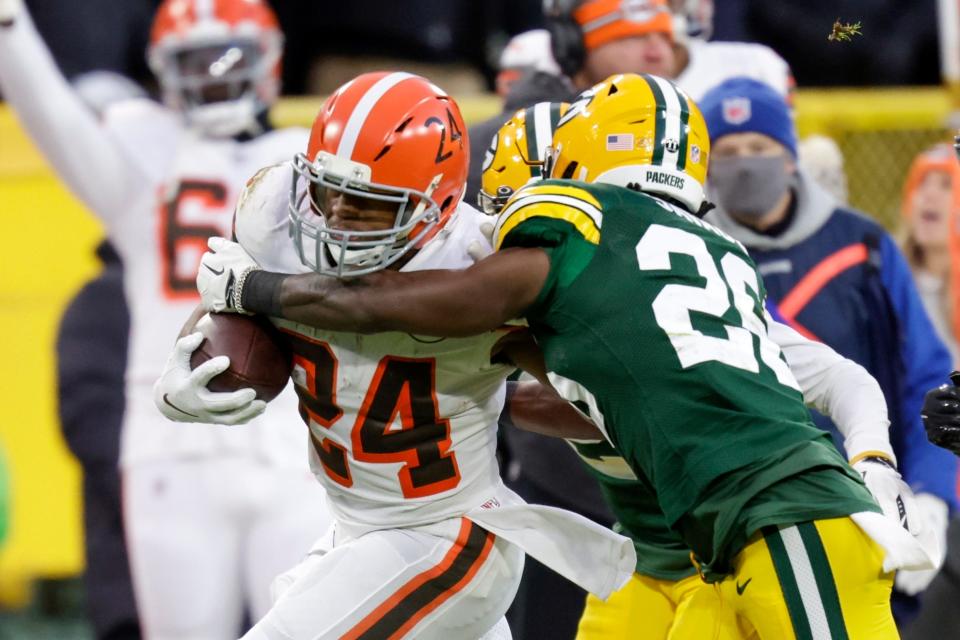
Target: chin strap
point(705, 208)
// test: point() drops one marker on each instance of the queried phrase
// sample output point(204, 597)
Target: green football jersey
point(660, 316)
point(661, 552)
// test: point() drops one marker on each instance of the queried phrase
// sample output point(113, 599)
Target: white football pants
point(206, 537)
point(445, 581)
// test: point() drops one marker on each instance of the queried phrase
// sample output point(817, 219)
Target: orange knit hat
point(603, 21)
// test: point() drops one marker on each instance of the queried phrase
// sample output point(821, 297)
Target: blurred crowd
point(885, 299)
point(112, 35)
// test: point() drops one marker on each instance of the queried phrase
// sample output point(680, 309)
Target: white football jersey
point(711, 63)
point(161, 191)
point(403, 427)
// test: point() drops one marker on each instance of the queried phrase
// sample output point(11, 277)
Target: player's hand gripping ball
point(260, 357)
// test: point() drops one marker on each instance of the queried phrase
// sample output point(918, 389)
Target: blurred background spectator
point(820, 157)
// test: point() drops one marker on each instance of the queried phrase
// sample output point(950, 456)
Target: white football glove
point(222, 272)
point(894, 496)
point(936, 515)
point(9, 10)
point(182, 394)
point(478, 249)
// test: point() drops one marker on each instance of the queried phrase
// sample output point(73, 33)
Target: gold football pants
point(819, 580)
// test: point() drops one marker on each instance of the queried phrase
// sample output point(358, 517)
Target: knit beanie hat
point(745, 105)
point(603, 21)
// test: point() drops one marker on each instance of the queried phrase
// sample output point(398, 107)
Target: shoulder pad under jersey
point(461, 242)
point(566, 201)
point(260, 221)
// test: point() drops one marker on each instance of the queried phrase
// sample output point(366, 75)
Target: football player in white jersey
point(212, 515)
point(427, 541)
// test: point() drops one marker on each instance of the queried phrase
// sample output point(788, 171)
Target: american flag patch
point(620, 142)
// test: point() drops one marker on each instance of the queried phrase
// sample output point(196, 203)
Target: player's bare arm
point(538, 408)
point(535, 405)
point(437, 303)
point(443, 303)
point(519, 348)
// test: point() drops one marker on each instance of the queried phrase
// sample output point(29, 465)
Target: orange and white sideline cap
point(604, 21)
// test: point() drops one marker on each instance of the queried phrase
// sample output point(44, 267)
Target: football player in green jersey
point(666, 593)
point(660, 316)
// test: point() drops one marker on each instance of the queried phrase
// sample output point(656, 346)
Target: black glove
point(941, 415)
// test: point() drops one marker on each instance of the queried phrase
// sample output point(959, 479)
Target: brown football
point(259, 354)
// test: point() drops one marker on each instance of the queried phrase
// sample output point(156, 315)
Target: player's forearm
point(65, 131)
point(534, 407)
point(424, 302)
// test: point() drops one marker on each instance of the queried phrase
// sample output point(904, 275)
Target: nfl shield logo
point(736, 110)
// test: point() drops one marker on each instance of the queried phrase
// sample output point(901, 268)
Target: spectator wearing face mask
point(837, 277)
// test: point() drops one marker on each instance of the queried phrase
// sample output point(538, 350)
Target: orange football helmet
point(218, 61)
point(387, 136)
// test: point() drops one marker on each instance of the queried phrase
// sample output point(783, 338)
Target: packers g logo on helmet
point(516, 153)
point(636, 131)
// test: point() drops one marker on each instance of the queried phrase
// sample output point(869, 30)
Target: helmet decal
point(670, 144)
point(518, 153)
point(635, 130)
point(353, 127)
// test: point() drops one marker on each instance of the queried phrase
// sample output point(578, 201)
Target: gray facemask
point(749, 186)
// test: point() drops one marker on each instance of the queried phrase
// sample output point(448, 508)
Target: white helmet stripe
point(672, 125)
point(204, 9)
point(366, 104)
point(542, 129)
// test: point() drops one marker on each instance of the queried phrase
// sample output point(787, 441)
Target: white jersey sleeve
point(711, 63)
point(838, 388)
point(93, 165)
point(260, 223)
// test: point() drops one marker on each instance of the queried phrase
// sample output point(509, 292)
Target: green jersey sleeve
point(559, 217)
